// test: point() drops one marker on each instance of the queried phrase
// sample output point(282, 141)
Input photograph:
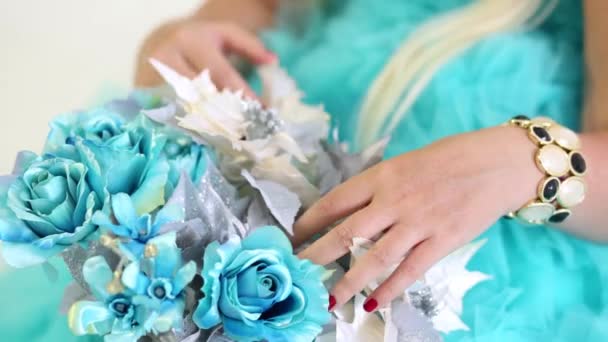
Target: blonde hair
point(431, 46)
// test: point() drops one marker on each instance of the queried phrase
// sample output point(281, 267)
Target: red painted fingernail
point(332, 302)
point(370, 305)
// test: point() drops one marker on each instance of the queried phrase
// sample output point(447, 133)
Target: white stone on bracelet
point(565, 137)
point(553, 160)
point(572, 192)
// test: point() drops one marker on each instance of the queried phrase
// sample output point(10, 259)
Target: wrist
point(515, 176)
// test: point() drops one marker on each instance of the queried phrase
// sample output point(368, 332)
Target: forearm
point(596, 55)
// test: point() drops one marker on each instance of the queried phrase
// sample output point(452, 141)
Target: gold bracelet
point(559, 158)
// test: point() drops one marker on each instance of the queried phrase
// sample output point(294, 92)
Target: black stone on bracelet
point(541, 134)
point(520, 117)
point(578, 164)
point(550, 189)
point(559, 216)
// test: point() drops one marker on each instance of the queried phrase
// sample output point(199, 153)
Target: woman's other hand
point(420, 206)
point(205, 39)
point(191, 45)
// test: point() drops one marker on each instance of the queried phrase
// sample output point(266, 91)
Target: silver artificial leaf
point(329, 175)
point(128, 108)
point(168, 115)
point(189, 329)
point(258, 214)
point(192, 239)
point(165, 337)
point(307, 134)
point(282, 203)
point(24, 158)
point(204, 336)
point(218, 336)
point(196, 337)
point(205, 204)
point(348, 164)
point(210, 213)
point(411, 325)
point(72, 294)
point(190, 332)
point(164, 115)
point(227, 192)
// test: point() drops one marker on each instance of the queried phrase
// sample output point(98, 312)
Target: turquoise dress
point(546, 285)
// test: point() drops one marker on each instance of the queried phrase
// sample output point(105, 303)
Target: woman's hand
point(422, 205)
point(193, 44)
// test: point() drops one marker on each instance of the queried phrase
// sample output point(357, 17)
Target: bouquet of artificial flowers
point(172, 209)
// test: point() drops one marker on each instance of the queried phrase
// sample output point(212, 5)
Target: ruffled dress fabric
point(546, 285)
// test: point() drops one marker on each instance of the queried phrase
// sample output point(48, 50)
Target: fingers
point(222, 72)
point(347, 198)
point(149, 77)
point(384, 255)
point(192, 46)
point(181, 65)
point(226, 76)
point(364, 223)
point(245, 44)
point(421, 258)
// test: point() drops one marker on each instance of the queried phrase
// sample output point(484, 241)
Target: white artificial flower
point(353, 324)
point(212, 114)
point(221, 115)
point(307, 124)
point(448, 281)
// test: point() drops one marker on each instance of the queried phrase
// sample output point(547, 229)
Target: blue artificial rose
point(129, 163)
point(122, 150)
point(46, 209)
point(184, 157)
point(259, 290)
point(99, 125)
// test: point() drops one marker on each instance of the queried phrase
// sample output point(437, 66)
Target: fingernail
point(332, 302)
point(370, 305)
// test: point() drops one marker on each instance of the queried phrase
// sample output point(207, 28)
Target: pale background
point(59, 55)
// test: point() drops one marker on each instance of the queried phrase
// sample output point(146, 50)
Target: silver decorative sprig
point(423, 300)
point(264, 122)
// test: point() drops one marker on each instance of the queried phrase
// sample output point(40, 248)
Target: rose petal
point(265, 237)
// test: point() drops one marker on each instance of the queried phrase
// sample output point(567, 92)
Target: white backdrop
point(60, 55)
